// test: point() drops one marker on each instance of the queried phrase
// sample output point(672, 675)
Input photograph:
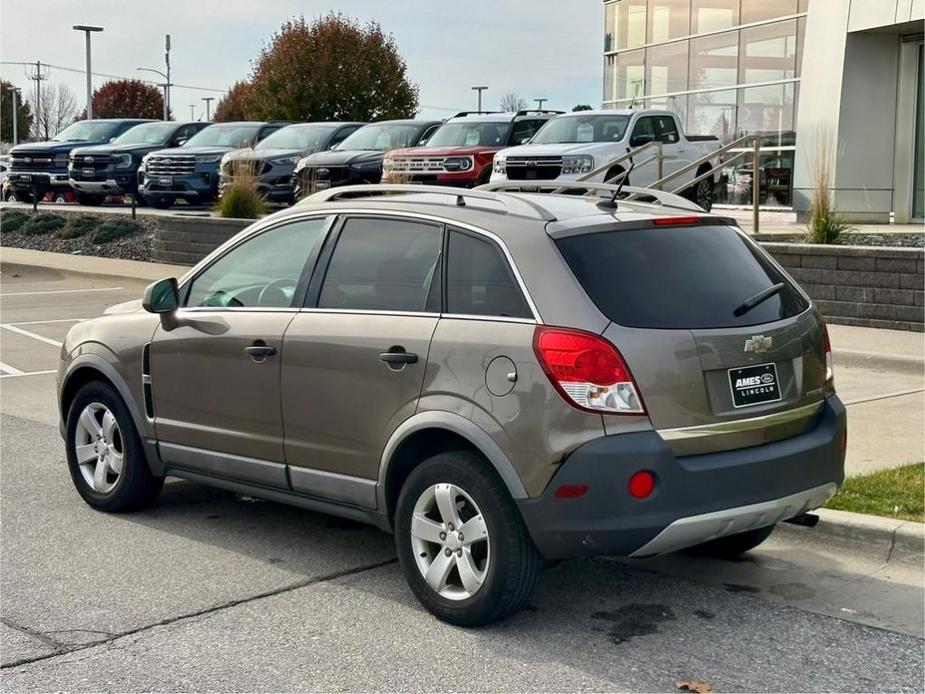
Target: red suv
point(460, 153)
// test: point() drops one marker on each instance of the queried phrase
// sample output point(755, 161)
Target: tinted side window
point(267, 131)
point(425, 136)
point(261, 272)
point(479, 280)
point(342, 135)
point(665, 129)
point(644, 127)
point(524, 130)
point(382, 265)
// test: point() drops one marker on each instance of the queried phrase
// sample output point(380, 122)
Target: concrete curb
point(874, 536)
point(91, 266)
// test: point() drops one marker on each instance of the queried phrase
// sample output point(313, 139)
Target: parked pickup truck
point(272, 161)
point(575, 144)
point(191, 171)
point(112, 169)
point(41, 167)
point(460, 152)
point(358, 159)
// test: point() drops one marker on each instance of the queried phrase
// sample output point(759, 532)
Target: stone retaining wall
point(187, 240)
point(860, 285)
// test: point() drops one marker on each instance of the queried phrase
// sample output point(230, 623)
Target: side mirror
point(640, 140)
point(162, 297)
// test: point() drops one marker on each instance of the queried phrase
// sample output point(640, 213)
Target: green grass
point(897, 493)
point(43, 223)
point(12, 220)
point(78, 226)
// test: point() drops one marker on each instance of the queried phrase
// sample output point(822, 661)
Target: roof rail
point(513, 204)
point(629, 193)
point(474, 113)
point(525, 111)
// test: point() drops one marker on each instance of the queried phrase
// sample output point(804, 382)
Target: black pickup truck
point(40, 168)
point(112, 169)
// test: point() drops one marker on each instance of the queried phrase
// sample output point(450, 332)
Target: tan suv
point(494, 376)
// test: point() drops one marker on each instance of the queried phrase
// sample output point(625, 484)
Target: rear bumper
point(697, 498)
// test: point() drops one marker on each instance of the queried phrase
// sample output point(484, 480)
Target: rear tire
point(498, 550)
point(732, 546)
point(60, 198)
point(612, 173)
point(104, 452)
point(702, 193)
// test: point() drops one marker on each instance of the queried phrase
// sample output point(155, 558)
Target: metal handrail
point(631, 192)
point(512, 204)
point(630, 153)
point(705, 159)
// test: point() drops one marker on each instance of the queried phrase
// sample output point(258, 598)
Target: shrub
point(12, 220)
point(241, 199)
point(109, 231)
point(825, 225)
point(78, 226)
point(43, 223)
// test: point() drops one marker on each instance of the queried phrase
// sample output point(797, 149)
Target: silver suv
point(496, 377)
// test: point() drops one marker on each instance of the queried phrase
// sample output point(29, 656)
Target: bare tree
point(55, 110)
point(512, 102)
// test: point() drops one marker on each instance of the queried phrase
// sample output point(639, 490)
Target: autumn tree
point(333, 68)
point(55, 109)
point(127, 99)
point(511, 103)
point(23, 114)
point(582, 107)
point(235, 105)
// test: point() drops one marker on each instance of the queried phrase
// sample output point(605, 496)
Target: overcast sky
point(536, 48)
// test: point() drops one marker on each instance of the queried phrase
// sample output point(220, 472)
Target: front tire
point(60, 198)
point(104, 452)
point(732, 546)
point(461, 543)
point(702, 193)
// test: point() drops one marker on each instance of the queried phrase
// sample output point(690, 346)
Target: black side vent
point(146, 380)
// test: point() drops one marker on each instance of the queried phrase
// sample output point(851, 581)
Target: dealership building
point(801, 74)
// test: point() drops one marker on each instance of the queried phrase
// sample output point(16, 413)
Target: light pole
point(208, 100)
point(192, 112)
point(539, 103)
point(88, 29)
point(479, 90)
point(167, 61)
point(166, 86)
point(15, 95)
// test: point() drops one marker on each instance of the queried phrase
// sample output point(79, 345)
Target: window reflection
point(666, 68)
point(768, 52)
point(714, 61)
point(713, 113)
point(713, 15)
point(624, 25)
point(626, 74)
point(668, 19)
point(758, 10)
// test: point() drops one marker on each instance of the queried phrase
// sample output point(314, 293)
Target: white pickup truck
point(573, 145)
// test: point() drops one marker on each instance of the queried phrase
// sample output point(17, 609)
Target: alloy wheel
point(450, 541)
point(98, 447)
point(704, 194)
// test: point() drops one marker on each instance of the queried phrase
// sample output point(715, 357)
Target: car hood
point(336, 157)
point(592, 148)
point(265, 154)
point(50, 147)
point(132, 306)
point(118, 149)
point(180, 151)
point(442, 151)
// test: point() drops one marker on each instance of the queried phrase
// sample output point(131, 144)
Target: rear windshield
point(678, 277)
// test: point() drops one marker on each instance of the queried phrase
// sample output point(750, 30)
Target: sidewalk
point(91, 265)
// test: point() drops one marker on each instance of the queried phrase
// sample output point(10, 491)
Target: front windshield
point(471, 134)
point(87, 131)
point(599, 128)
point(380, 138)
point(300, 137)
point(234, 136)
point(148, 134)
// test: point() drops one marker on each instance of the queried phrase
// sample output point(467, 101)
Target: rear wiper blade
point(751, 302)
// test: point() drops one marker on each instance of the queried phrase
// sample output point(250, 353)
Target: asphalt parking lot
point(209, 590)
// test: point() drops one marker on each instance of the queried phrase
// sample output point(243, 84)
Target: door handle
point(397, 357)
point(259, 351)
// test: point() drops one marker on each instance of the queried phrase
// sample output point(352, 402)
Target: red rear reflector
point(642, 484)
point(668, 221)
point(587, 370)
point(844, 441)
point(571, 491)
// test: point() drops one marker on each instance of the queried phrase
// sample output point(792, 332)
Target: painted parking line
point(28, 373)
point(9, 370)
point(53, 320)
point(64, 291)
point(29, 333)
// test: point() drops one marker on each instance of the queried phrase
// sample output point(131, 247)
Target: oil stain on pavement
point(634, 620)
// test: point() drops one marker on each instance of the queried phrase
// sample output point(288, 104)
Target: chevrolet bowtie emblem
point(758, 344)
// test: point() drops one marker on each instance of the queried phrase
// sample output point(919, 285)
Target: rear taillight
point(587, 370)
point(827, 346)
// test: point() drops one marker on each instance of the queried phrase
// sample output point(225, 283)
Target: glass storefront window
point(760, 10)
point(713, 15)
point(768, 52)
point(675, 104)
point(625, 74)
point(668, 19)
point(624, 24)
point(714, 61)
point(713, 113)
point(767, 110)
point(666, 68)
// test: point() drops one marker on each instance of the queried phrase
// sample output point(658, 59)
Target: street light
point(192, 112)
point(87, 29)
point(208, 100)
point(479, 90)
point(165, 85)
point(16, 95)
point(539, 103)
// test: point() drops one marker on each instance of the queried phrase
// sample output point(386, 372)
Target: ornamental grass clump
point(241, 199)
point(825, 224)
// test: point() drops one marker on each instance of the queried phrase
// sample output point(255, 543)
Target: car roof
point(332, 124)
point(618, 112)
point(407, 121)
point(501, 117)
